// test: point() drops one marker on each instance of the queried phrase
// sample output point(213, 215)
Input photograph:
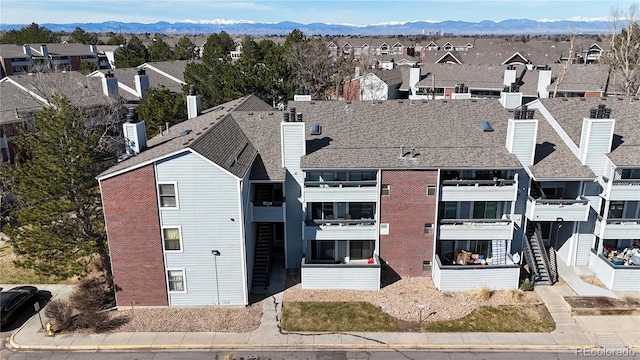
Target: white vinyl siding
point(210, 218)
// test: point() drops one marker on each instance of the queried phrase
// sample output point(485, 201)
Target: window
point(384, 229)
point(615, 209)
point(428, 228)
point(384, 190)
point(359, 250)
point(450, 210)
point(172, 239)
point(431, 190)
point(485, 210)
point(175, 278)
point(168, 195)
point(323, 250)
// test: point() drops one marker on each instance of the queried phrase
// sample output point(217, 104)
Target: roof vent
point(299, 117)
point(316, 129)
point(285, 118)
point(486, 127)
point(292, 114)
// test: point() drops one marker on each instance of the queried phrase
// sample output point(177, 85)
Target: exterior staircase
point(536, 256)
point(262, 194)
point(262, 259)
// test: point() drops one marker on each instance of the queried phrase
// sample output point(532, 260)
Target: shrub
point(483, 293)
point(92, 294)
point(61, 314)
point(526, 285)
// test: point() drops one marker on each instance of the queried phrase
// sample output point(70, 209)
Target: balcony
point(340, 229)
point(354, 275)
point(476, 229)
point(617, 228)
point(479, 190)
point(268, 211)
point(469, 277)
point(615, 277)
point(341, 191)
point(624, 189)
point(554, 209)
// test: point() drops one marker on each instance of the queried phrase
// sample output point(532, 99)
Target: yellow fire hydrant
point(50, 330)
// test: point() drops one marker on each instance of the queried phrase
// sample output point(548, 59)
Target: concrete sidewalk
point(572, 333)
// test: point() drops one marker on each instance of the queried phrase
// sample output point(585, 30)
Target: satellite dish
point(516, 258)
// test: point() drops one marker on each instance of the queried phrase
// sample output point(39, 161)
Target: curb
point(497, 347)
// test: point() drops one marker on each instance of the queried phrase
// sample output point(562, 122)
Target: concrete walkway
point(581, 288)
point(571, 334)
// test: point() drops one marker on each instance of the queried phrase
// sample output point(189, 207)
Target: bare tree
point(564, 69)
point(624, 57)
point(311, 67)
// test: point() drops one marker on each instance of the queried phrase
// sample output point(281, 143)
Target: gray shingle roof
point(9, 51)
point(553, 159)
point(579, 78)
point(82, 91)
point(569, 112)
point(445, 134)
point(214, 134)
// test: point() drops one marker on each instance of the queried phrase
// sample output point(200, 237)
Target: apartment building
point(463, 191)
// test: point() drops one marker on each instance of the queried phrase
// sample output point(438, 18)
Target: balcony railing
point(553, 209)
point(618, 228)
point(477, 182)
point(478, 190)
point(268, 203)
point(354, 229)
point(343, 183)
point(476, 229)
point(623, 189)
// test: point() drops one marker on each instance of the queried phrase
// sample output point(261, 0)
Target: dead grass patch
point(593, 280)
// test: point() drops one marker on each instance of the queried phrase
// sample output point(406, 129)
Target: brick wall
point(133, 229)
point(351, 90)
point(406, 209)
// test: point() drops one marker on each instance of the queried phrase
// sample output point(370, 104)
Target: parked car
point(14, 300)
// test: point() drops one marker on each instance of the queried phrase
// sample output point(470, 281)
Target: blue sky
point(355, 12)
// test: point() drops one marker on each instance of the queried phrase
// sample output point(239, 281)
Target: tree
point(32, 34)
point(161, 106)
point(87, 67)
point(159, 50)
point(185, 49)
point(624, 57)
point(117, 39)
point(132, 54)
point(565, 65)
point(218, 47)
point(61, 219)
point(310, 64)
point(80, 36)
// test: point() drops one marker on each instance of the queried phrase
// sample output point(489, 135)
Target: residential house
point(22, 95)
point(374, 85)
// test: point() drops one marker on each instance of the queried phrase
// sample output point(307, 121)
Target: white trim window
point(168, 195)
point(172, 238)
point(176, 281)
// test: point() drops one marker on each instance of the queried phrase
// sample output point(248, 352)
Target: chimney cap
point(132, 115)
point(141, 72)
point(192, 90)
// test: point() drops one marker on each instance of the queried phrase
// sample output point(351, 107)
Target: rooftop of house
point(173, 69)
point(10, 51)
point(72, 49)
point(570, 112)
point(444, 134)
point(28, 93)
point(580, 77)
point(214, 134)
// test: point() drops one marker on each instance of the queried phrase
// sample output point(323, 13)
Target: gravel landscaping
point(400, 299)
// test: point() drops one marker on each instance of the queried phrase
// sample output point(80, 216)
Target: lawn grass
point(335, 316)
point(530, 318)
point(11, 274)
point(363, 316)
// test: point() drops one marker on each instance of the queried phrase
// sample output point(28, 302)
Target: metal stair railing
point(528, 256)
point(545, 257)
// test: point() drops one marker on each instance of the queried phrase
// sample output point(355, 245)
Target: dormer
point(432, 46)
point(516, 59)
point(447, 47)
point(398, 49)
point(384, 49)
point(449, 58)
point(346, 49)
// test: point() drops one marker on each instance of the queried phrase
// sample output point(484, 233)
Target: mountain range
point(511, 27)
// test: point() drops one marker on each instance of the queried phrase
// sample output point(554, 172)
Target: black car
point(13, 300)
